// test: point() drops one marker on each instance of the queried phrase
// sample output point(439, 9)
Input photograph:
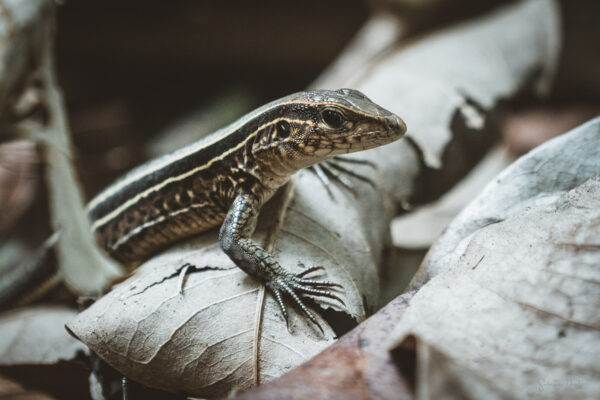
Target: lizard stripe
point(135, 199)
point(189, 150)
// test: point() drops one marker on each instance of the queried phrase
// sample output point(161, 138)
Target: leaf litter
point(225, 333)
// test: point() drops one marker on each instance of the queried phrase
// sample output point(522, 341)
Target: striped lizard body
point(225, 178)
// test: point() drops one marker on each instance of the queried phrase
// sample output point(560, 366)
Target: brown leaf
point(13, 391)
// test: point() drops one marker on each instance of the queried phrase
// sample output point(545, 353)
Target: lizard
point(225, 178)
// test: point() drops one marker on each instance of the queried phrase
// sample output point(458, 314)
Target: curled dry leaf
point(217, 337)
point(445, 86)
point(518, 300)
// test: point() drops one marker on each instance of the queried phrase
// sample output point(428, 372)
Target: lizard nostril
point(389, 124)
point(394, 124)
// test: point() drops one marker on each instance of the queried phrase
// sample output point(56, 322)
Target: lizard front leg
point(234, 239)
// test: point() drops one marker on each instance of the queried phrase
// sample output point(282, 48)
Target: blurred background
point(130, 71)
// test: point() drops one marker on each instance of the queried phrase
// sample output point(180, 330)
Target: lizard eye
point(283, 129)
point(333, 117)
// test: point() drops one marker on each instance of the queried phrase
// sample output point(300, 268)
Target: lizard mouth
point(366, 137)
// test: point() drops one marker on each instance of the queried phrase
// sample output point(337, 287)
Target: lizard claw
point(309, 270)
point(333, 170)
point(300, 278)
point(294, 284)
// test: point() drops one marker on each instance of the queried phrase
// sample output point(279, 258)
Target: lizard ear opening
point(260, 140)
point(263, 138)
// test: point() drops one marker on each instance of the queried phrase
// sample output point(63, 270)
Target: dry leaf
point(37, 336)
point(420, 228)
point(83, 266)
point(430, 80)
point(517, 299)
point(358, 366)
point(440, 376)
point(445, 85)
point(381, 31)
point(37, 351)
point(216, 337)
point(546, 170)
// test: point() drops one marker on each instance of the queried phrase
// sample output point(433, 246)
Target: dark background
point(129, 68)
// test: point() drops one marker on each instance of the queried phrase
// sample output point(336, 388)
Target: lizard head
point(308, 127)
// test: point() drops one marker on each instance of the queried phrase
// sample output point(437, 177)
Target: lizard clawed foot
point(333, 170)
point(293, 284)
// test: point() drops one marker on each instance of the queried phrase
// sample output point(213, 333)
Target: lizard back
point(176, 195)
